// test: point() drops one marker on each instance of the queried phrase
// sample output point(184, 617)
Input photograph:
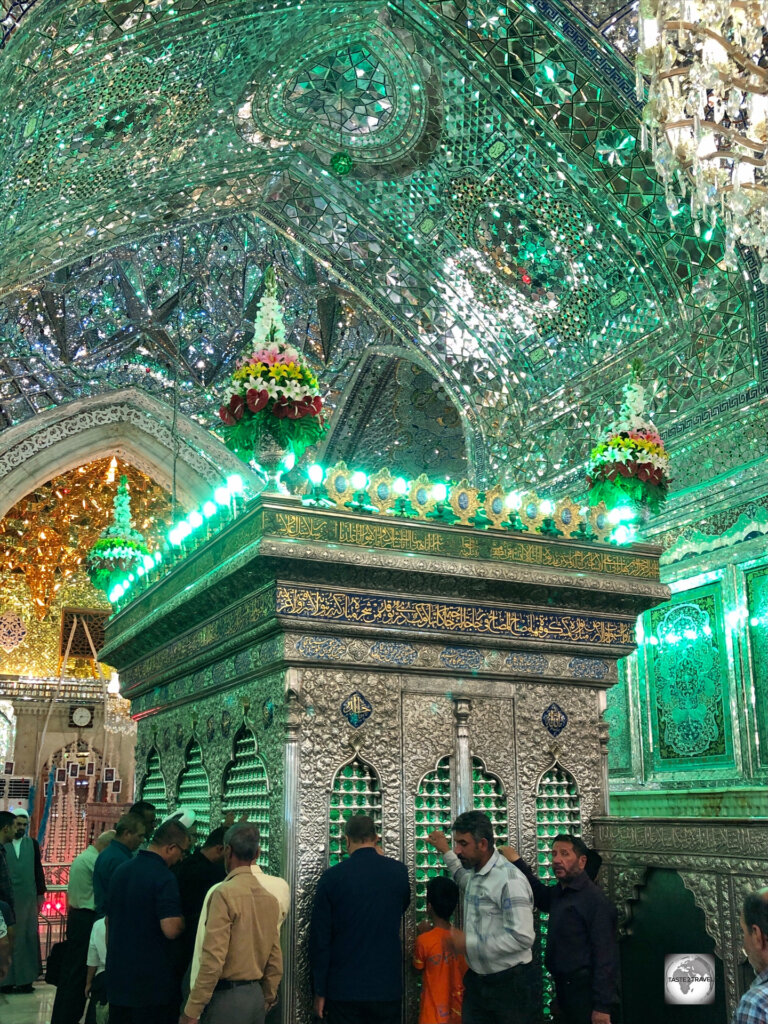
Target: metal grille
point(356, 790)
point(153, 787)
point(557, 811)
point(489, 796)
point(246, 789)
point(194, 790)
point(432, 811)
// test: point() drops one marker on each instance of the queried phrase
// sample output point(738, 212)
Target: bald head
point(102, 842)
point(754, 927)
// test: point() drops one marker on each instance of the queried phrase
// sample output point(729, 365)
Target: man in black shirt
point(354, 942)
point(196, 874)
point(582, 951)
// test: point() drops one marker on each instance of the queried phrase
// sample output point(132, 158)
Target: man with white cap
point(26, 872)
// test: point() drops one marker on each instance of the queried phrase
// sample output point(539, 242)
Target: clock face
point(81, 717)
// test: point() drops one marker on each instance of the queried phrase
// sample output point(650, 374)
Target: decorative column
point(602, 735)
point(463, 759)
point(293, 718)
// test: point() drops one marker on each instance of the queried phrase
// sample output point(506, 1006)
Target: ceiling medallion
point(360, 95)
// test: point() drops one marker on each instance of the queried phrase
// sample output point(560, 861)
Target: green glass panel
point(557, 811)
point(153, 788)
point(757, 606)
point(194, 791)
point(347, 799)
point(246, 790)
point(688, 680)
point(433, 811)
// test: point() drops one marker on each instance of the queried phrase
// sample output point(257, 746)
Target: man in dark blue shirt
point(582, 949)
point(129, 835)
point(354, 944)
point(143, 916)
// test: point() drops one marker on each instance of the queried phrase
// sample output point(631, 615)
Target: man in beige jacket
point(240, 964)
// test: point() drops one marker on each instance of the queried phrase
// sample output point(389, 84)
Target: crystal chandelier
point(707, 104)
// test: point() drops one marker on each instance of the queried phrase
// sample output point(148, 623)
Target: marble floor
point(28, 1009)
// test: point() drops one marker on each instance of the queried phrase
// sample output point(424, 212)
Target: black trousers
point(365, 1012)
point(503, 998)
point(69, 1003)
point(143, 1014)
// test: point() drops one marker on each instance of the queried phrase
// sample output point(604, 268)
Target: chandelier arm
point(758, 147)
point(730, 49)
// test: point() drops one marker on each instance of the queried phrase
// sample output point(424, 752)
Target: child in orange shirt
point(442, 983)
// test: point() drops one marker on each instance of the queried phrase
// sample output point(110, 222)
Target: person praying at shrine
point(582, 947)
point(81, 913)
point(442, 969)
point(498, 924)
point(25, 869)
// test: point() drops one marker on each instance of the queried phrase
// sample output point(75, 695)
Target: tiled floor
point(28, 1009)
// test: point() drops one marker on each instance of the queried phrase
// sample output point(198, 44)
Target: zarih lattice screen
point(558, 810)
point(432, 810)
point(246, 789)
point(195, 792)
point(153, 787)
point(489, 796)
point(356, 790)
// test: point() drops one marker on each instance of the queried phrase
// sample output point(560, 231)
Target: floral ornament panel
point(356, 709)
point(689, 677)
point(554, 719)
point(12, 631)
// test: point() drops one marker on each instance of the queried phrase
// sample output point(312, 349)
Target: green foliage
point(295, 435)
point(628, 490)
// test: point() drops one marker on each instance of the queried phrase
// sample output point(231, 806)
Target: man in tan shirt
point(241, 964)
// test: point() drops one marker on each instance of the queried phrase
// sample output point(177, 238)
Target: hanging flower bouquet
point(631, 466)
point(273, 390)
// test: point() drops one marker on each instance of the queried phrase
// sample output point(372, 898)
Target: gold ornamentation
point(420, 496)
point(496, 506)
point(387, 612)
point(380, 492)
point(598, 520)
point(567, 516)
point(464, 501)
point(530, 510)
point(338, 484)
point(45, 535)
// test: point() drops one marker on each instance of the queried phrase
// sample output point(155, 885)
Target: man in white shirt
point(498, 923)
point(95, 981)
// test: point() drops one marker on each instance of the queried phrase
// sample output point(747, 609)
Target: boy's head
point(442, 897)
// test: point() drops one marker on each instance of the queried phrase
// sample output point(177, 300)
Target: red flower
point(227, 416)
point(317, 405)
point(256, 400)
point(237, 406)
point(280, 409)
point(294, 411)
point(304, 408)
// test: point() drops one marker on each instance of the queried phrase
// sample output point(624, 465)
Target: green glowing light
point(546, 507)
point(623, 535)
point(439, 492)
point(400, 485)
point(289, 461)
point(222, 496)
point(315, 473)
point(149, 562)
point(514, 500)
point(158, 556)
point(209, 509)
point(235, 484)
point(621, 514)
point(358, 480)
point(195, 519)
